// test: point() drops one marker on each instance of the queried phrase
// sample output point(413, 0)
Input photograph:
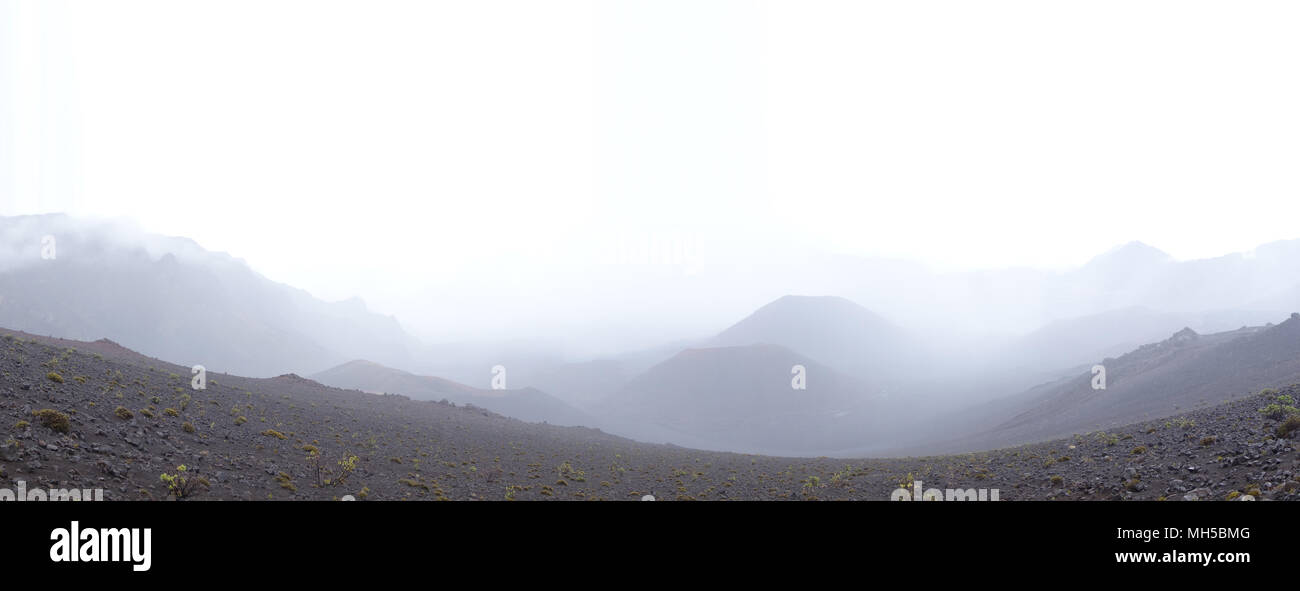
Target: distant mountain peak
point(830, 329)
point(1184, 335)
point(804, 304)
point(1135, 252)
point(1138, 246)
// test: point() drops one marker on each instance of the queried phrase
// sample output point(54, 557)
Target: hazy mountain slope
point(1284, 299)
point(1076, 341)
point(471, 362)
point(169, 297)
point(1019, 301)
point(831, 330)
point(372, 377)
point(1139, 275)
point(741, 398)
point(585, 384)
point(1153, 381)
point(528, 404)
point(582, 384)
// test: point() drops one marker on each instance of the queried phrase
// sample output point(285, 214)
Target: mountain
point(528, 404)
point(1129, 259)
point(831, 330)
point(1153, 381)
point(1284, 299)
point(169, 297)
point(742, 398)
point(1016, 301)
point(1072, 342)
point(582, 384)
point(1139, 275)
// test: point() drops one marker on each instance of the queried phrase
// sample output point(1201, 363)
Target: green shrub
point(1184, 423)
point(187, 427)
point(1289, 426)
point(123, 413)
point(54, 377)
point(181, 485)
point(1278, 412)
point(53, 419)
point(286, 482)
point(171, 412)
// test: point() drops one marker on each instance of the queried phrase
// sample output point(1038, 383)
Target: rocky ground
point(95, 415)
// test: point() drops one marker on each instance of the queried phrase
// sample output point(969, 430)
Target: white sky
point(427, 151)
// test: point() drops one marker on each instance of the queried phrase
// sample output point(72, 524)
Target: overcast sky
point(411, 151)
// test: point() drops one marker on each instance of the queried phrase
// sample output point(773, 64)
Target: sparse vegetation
point(182, 485)
point(1278, 412)
point(327, 476)
point(53, 420)
point(286, 482)
point(1108, 439)
point(1289, 426)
